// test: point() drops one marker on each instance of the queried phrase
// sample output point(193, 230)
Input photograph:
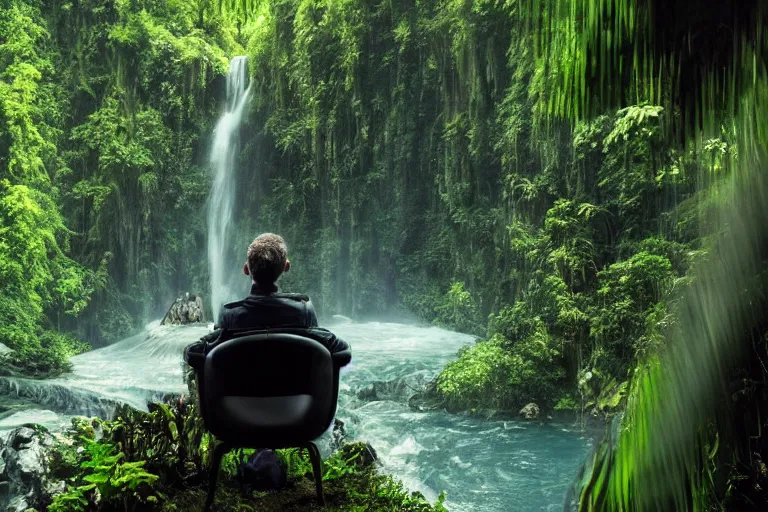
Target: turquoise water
point(482, 465)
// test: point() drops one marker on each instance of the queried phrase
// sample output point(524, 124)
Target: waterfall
point(223, 266)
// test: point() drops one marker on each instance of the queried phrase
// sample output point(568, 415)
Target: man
point(265, 307)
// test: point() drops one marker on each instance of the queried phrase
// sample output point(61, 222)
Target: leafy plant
point(457, 309)
point(74, 499)
point(106, 470)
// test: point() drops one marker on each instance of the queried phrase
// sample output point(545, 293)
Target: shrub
point(500, 374)
point(457, 309)
point(46, 356)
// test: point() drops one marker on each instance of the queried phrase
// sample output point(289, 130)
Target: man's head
point(267, 259)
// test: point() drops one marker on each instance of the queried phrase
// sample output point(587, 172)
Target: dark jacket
point(270, 310)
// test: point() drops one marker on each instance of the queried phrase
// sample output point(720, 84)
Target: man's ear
point(245, 269)
point(287, 265)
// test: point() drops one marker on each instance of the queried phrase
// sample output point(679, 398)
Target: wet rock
point(19, 504)
point(339, 432)
point(21, 436)
point(398, 390)
point(187, 309)
point(427, 400)
point(530, 412)
point(25, 477)
point(368, 393)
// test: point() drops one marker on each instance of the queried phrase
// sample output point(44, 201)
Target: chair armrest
point(341, 359)
point(196, 360)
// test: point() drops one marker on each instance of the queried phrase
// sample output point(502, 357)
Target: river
point(484, 466)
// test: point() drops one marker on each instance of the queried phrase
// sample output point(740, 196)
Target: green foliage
point(618, 53)
point(73, 500)
point(36, 275)
point(566, 403)
point(512, 216)
point(339, 465)
point(102, 468)
point(629, 293)
point(105, 469)
point(297, 463)
point(457, 309)
point(46, 356)
point(499, 374)
point(158, 461)
point(103, 106)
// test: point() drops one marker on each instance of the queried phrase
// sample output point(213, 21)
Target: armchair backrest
point(270, 390)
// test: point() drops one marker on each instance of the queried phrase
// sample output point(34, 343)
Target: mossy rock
point(359, 454)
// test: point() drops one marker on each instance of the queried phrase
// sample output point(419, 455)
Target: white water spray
point(223, 266)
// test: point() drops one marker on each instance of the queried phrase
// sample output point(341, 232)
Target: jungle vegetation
point(577, 182)
point(158, 461)
point(410, 153)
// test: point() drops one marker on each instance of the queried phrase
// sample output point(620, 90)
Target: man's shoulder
point(268, 311)
point(299, 297)
point(234, 305)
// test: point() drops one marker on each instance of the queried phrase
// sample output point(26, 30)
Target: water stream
point(483, 466)
point(223, 158)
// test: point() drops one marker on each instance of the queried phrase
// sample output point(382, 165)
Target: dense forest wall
point(407, 152)
point(105, 112)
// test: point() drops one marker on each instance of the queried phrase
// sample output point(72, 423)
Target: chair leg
point(218, 454)
point(317, 470)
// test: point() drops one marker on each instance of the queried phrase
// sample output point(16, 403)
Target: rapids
point(483, 466)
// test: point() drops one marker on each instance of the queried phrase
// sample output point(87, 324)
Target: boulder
point(530, 412)
point(367, 393)
point(426, 400)
point(398, 390)
point(187, 309)
point(25, 476)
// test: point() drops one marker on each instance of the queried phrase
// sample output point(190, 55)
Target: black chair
point(268, 390)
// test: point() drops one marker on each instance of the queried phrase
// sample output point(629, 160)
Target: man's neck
point(259, 289)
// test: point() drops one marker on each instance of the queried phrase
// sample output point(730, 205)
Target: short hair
point(266, 258)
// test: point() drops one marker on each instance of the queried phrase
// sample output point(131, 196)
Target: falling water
point(223, 266)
